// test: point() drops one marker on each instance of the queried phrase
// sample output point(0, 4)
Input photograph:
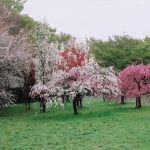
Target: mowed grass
point(98, 126)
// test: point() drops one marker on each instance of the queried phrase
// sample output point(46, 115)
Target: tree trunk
point(74, 105)
point(138, 98)
point(79, 100)
point(63, 98)
point(138, 102)
point(42, 105)
point(104, 97)
point(27, 103)
point(122, 99)
point(26, 99)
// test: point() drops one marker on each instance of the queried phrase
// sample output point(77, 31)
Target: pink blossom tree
point(74, 83)
point(104, 79)
point(135, 81)
point(81, 80)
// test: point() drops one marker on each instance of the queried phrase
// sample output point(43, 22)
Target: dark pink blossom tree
point(69, 58)
point(135, 82)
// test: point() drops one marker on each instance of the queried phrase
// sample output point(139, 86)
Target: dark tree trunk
point(74, 105)
point(26, 99)
point(122, 99)
point(63, 98)
point(27, 103)
point(138, 98)
point(67, 98)
point(138, 102)
point(104, 97)
point(42, 105)
point(79, 100)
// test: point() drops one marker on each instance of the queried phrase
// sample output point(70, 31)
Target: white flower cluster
point(46, 53)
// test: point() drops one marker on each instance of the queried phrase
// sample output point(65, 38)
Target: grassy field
point(98, 126)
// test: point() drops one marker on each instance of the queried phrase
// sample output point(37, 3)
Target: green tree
point(20, 21)
point(53, 34)
point(13, 5)
point(63, 37)
point(119, 51)
point(26, 21)
point(142, 52)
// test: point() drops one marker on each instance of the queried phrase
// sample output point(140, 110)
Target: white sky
point(93, 18)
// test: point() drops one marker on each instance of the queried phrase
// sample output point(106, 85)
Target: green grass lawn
point(98, 126)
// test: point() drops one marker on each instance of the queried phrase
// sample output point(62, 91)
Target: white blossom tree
point(15, 58)
point(46, 53)
point(45, 62)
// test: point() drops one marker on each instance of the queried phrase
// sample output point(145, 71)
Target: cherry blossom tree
point(48, 94)
point(45, 62)
point(72, 54)
point(135, 81)
point(88, 78)
point(104, 80)
point(46, 53)
point(74, 83)
point(15, 58)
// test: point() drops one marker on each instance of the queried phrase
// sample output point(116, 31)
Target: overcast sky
point(93, 18)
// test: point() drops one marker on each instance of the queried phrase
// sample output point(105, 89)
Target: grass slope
point(98, 126)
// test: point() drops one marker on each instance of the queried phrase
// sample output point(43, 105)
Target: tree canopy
point(119, 51)
point(15, 6)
